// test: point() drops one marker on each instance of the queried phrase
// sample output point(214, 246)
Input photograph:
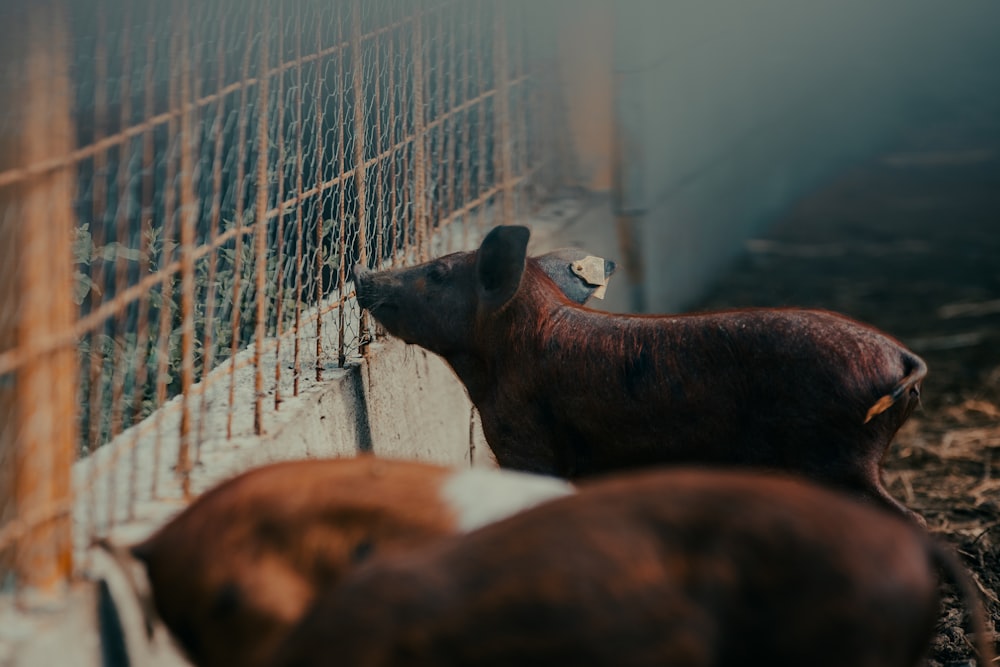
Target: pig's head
point(437, 304)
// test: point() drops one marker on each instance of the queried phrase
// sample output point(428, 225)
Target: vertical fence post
point(502, 147)
point(209, 341)
point(296, 367)
point(260, 222)
point(279, 280)
point(481, 183)
point(239, 223)
point(397, 130)
point(38, 403)
point(188, 212)
point(380, 167)
point(359, 156)
point(341, 252)
point(320, 90)
point(419, 167)
point(146, 225)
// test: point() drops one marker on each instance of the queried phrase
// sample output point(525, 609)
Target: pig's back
point(777, 388)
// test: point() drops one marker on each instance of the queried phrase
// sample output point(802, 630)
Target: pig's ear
point(500, 264)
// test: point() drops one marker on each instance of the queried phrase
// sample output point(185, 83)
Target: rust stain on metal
point(420, 138)
point(187, 233)
point(215, 214)
point(279, 280)
point(360, 172)
point(234, 343)
point(341, 210)
point(299, 167)
point(39, 436)
point(502, 157)
point(260, 237)
point(424, 79)
point(318, 363)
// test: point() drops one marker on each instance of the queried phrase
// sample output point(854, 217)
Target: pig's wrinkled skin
point(563, 389)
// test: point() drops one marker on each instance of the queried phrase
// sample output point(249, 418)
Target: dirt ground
point(910, 242)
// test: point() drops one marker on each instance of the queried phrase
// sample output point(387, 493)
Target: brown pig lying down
point(570, 391)
point(680, 568)
point(232, 573)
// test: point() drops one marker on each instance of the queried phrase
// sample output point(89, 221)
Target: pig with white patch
point(234, 571)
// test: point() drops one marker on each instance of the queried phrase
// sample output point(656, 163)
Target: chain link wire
point(232, 162)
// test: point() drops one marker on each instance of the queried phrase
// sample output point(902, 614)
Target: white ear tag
point(591, 270)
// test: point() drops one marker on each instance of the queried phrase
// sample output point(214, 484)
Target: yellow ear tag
point(591, 270)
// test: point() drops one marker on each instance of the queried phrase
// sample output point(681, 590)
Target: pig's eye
point(437, 273)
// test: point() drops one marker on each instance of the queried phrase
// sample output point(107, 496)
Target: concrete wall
point(585, 52)
point(729, 110)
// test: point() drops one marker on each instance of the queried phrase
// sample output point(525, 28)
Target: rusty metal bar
point(39, 436)
point(434, 97)
point(455, 113)
point(480, 74)
point(296, 365)
point(234, 343)
point(98, 235)
point(450, 149)
point(167, 290)
point(188, 212)
point(466, 153)
point(419, 161)
point(502, 146)
point(121, 267)
point(142, 333)
point(12, 359)
point(208, 340)
point(357, 58)
point(318, 363)
point(520, 121)
point(393, 120)
point(12, 175)
point(459, 194)
point(406, 173)
point(222, 374)
point(380, 170)
point(261, 235)
point(280, 252)
point(341, 218)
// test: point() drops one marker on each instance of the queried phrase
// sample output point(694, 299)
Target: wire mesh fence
point(205, 174)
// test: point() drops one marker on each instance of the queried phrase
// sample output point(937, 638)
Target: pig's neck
point(474, 372)
point(535, 343)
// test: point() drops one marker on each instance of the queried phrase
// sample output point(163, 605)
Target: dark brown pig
point(567, 390)
point(233, 572)
point(685, 568)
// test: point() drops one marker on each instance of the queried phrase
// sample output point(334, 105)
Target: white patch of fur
point(479, 496)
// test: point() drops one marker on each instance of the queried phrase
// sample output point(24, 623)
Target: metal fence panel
point(232, 160)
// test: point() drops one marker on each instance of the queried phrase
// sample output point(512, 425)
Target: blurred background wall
point(727, 111)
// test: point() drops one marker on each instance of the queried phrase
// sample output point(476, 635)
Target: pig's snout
point(376, 291)
point(360, 273)
point(363, 285)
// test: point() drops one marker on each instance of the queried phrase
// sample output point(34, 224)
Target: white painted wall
point(729, 110)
